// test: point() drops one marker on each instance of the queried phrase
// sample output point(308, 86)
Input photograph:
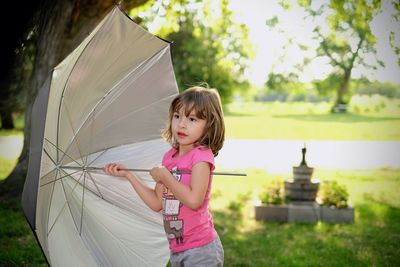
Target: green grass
point(372, 240)
point(11, 132)
point(308, 121)
point(6, 166)
point(300, 121)
point(18, 245)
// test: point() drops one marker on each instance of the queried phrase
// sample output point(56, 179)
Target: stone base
point(334, 215)
point(273, 213)
point(303, 211)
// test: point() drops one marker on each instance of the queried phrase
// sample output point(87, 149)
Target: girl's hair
point(206, 102)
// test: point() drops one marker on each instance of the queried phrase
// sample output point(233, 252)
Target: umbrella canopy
point(106, 102)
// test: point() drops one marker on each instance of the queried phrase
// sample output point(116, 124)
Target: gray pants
point(210, 255)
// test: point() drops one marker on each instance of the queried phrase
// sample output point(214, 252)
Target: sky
point(268, 44)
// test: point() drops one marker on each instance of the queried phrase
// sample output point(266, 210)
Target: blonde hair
point(206, 102)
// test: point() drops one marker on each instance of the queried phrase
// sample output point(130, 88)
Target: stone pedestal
point(301, 187)
point(302, 191)
point(304, 211)
point(272, 213)
point(335, 215)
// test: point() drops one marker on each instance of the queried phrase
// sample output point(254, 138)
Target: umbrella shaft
point(87, 168)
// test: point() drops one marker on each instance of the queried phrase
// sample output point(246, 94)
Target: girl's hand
point(158, 173)
point(115, 169)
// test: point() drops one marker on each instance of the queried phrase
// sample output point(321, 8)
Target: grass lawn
point(372, 240)
point(308, 121)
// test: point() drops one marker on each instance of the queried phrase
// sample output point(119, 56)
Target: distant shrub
point(331, 193)
point(239, 203)
point(273, 193)
point(390, 90)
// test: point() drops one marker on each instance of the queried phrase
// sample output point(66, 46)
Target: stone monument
point(302, 187)
point(302, 191)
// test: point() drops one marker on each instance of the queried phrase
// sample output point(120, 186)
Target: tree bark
point(61, 25)
point(343, 89)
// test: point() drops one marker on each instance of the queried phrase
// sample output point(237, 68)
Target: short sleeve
point(167, 156)
point(204, 155)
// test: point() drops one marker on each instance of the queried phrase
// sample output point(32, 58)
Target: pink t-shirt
point(187, 228)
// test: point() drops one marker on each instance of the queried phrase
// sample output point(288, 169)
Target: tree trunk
point(341, 92)
point(62, 25)
point(6, 120)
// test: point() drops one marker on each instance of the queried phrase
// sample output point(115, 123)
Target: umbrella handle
point(189, 172)
point(87, 168)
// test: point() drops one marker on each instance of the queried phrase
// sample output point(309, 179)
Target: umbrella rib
point(47, 174)
point(51, 200)
point(47, 153)
point(97, 157)
point(63, 92)
point(55, 164)
point(103, 198)
point(83, 200)
point(106, 200)
point(90, 142)
point(65, 204)
point(63, 152)
point(160, 52)
point(61, 177)
point(95, 184)
point(83, 196)
point(74, 133)
point(58, 122)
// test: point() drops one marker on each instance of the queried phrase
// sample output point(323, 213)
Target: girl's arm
point(151, 197)
point(191, 196)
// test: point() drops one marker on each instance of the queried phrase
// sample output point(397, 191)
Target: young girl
point(196, 132)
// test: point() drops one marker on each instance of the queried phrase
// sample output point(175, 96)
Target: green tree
point(208, 46)
point(281, 82)
point(394, 35)
point(342, 29)
point(58, 27)
point(348, 39)
point(324, 86)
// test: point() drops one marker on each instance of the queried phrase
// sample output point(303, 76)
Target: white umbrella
point(107, 101)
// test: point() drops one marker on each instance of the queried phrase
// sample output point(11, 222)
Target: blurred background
point(324, 75)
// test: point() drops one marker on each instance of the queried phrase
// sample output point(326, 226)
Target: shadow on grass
point(371, 241)
point(346, 118)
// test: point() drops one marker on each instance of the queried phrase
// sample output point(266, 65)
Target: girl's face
point(187, 130)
